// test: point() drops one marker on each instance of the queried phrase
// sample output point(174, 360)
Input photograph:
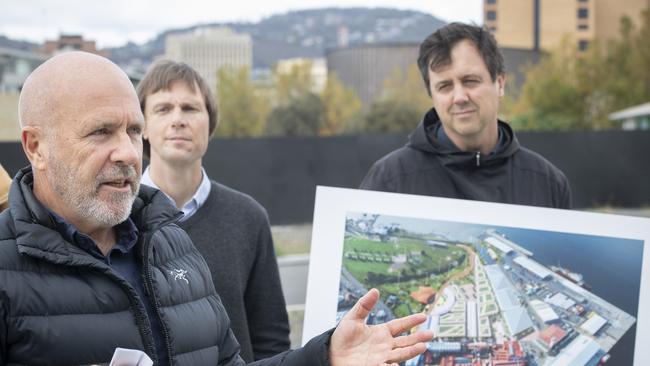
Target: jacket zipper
point(478, 158)
point(148, 284)
point(140, 311)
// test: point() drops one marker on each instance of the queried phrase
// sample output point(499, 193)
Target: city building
point(15, 66)
point(541, 25)
point(317, 67)
point(71, 42)
point(633, 118)
point(364, 68)
point(209, 49)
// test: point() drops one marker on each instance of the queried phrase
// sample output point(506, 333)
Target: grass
point(291, 239)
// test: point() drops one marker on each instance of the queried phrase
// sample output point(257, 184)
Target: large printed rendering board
point(500, 283)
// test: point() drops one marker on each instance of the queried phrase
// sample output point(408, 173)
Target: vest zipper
point(148, 284)
point(478, 158)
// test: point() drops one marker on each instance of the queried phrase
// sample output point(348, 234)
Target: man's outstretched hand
point(354, 343)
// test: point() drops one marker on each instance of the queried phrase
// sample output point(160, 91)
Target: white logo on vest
point(179, 274)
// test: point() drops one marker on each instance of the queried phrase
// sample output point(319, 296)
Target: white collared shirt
point(190, 207)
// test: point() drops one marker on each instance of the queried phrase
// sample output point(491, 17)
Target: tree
point(550, 98)
point(341, 106)
point(242, 109)
point(408, 89)
point(569, 89)
point(301, 116)
point(294, 84)
point(403, 102)
point(389, 116)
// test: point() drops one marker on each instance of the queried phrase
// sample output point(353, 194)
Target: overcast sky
point(113, 23)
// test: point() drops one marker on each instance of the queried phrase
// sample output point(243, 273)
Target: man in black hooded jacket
point(461, 149)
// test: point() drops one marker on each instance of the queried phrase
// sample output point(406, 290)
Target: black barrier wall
point(605, 168)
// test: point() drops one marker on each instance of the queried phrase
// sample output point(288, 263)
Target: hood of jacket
point(35, 231)
point(422, 139)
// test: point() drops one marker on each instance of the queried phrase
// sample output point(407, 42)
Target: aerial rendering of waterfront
point(497, 296)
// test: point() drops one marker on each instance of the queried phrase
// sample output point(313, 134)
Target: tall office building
point(364, 68)
point(209, 49)
point(541, 24)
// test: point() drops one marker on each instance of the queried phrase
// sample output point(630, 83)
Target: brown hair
point(435, 50)
point(161, 75)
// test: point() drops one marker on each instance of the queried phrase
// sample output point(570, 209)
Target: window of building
point(583, 26)
point(491, 1)
point(491, 15)
point(583, 44)
point(582, 1)
point(583, 13)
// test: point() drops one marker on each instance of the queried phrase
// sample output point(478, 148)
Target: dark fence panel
point(12, 157)
point(604, 168)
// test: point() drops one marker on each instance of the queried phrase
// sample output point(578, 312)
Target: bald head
point(64, 83)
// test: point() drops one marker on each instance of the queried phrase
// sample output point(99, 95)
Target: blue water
point(611, 266)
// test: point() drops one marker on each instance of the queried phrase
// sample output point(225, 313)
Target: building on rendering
point(544, 311)
point(594, 324)
point(533, 267)
point(209, 49)
point(551, 337)
point(504, 244)
point(541, 25)
point(515, 315)
point(581, 351)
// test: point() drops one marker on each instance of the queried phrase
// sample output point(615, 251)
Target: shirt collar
point(441, 135)
point(198, 199)
point(126, 236)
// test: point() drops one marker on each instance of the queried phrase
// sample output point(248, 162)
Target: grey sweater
point(231, 230)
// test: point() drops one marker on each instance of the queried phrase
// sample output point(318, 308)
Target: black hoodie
point(428, 166)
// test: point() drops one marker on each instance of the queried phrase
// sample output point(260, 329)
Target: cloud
point(116, 22)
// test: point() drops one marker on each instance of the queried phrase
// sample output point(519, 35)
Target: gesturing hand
point(354, 343)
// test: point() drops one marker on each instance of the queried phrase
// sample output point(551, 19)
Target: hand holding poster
point(533, 286)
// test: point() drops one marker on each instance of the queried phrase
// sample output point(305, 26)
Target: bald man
point(91, 261)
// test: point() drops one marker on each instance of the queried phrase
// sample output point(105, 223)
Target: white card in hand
point(130, 357)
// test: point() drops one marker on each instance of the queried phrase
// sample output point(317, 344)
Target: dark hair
point(161, 75)
point(435, 50)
